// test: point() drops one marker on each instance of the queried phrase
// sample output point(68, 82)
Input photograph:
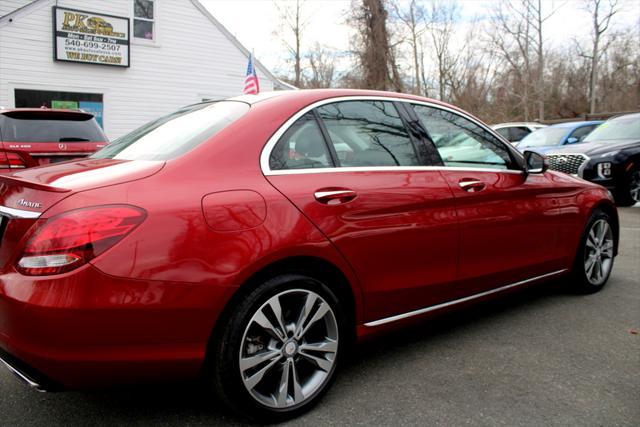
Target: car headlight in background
point(604, 170)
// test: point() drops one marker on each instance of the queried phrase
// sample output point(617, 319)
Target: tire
point(594, 260)
point(294, 372)
point(629, 193)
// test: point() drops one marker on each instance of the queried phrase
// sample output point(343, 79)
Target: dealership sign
point(91, 38)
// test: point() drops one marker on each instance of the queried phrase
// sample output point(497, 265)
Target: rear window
point(174, 134)
point(34, 126)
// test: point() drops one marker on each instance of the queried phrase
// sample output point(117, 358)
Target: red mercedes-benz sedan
point(252, 240)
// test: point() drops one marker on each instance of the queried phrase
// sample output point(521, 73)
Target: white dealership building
point(127, 61)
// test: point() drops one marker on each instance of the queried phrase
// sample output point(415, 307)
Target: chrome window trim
point(18, 213)
point(387, 169)
point(459, 301)
point(268, 147)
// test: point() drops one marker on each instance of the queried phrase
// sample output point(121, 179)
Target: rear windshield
point(175, 134)
point(23, 126)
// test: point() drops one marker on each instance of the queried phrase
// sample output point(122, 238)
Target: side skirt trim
point(459, 301)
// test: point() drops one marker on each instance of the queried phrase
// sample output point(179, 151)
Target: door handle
point(335, 196)
point(472, 186)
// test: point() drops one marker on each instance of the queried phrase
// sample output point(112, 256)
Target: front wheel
point(279, 351)
point(629, 193)
point(594, 260)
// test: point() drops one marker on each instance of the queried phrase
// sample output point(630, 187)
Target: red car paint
point(26, 137)
point(144, 310)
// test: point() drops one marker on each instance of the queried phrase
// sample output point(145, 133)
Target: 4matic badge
point(28, 204)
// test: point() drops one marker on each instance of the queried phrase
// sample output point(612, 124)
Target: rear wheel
point(594, 260)
point(279, 351)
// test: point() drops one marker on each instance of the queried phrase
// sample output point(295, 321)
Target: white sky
point(256, 23)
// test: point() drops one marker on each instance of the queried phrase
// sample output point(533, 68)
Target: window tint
point(462, 143)
point(27, 126)
point(302, 146)
point(175, 134)
point(368, 133)
point(581, 133)
point(517, 133)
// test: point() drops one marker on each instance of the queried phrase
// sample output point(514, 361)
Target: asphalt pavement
point(540, 357)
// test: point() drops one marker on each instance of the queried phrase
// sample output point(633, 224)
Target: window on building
point(144, 19)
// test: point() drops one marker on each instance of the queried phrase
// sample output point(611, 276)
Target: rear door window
point(504, 132)
point(517, 133)
point(35, 126)
point(302, 146)
point(368, 133)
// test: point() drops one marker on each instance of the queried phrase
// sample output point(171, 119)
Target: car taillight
point(11, 161)
point(71, 239)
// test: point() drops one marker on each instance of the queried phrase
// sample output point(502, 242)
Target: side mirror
point(572, 140)
point(535, 162)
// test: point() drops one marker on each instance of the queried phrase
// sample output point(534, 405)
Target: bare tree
point(601, 15)
point(372, 47)
point(292, 21)
point(441, 24)
point(412, 17)
point(510, 37)
point(322, 67)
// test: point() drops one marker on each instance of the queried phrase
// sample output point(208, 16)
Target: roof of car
point(320, 94)
point(626, 116)
point(577, 124)
point(514, 124)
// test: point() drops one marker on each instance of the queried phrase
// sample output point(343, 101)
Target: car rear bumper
point(86, 329)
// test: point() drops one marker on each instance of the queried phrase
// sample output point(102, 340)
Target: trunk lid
point(26, 194)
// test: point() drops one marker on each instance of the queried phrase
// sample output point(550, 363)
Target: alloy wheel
point(289, 348)
point(598, 256)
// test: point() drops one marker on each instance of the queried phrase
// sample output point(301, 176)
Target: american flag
point(251, 84)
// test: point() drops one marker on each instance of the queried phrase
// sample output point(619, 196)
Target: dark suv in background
point(609, 156)
point(39, 136)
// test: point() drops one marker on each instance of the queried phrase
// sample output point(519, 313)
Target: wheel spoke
point(266, 324)
point(253, 380)
point(602, 230)
point(309, 302)
point(323, 309)
point(255, 360)
point(328, 346)
point(298, 395)
point(321, 362)
point(589, 264)
point(590, 242)
point(283, 388)
point(274, 303)
point(596, 270)
point(607, 249)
